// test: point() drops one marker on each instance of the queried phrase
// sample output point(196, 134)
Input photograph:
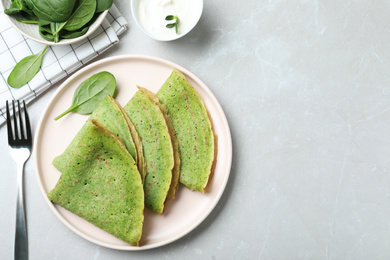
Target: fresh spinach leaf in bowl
point(58, 19)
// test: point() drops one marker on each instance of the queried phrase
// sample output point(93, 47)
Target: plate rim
point(65, 84)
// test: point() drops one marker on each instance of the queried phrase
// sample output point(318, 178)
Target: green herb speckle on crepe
point(102, 184)
point(111, 115)
point(145, 113)
point(194, 131)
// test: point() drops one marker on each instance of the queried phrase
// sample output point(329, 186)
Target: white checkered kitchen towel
point(59, 61)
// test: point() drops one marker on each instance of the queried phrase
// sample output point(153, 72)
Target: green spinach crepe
point(101, 184)
point(110, 113)
point(194, 131)
point(145, 112)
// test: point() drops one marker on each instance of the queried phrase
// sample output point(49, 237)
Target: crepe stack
point(153, 127)
point(125, 159)
point(102, 184)
point(194, 131)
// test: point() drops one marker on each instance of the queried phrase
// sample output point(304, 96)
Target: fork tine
point(22, 135)
point(9, 126)
point(27, 119)
point(16, 134)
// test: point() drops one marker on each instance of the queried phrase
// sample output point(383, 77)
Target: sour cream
point(151, 16)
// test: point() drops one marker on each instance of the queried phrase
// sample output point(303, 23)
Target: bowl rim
point(136, 20)
point(41, 40)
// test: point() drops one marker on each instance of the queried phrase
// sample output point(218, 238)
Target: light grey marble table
point(305, 86)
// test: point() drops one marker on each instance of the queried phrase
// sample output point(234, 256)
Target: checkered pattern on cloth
point(58, 62)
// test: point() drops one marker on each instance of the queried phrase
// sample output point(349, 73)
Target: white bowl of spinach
point(56, 22)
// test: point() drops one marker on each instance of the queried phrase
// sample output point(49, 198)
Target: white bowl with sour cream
point(149, 15)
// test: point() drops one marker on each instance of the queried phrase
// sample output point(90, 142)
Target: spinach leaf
point(52, 10)
point(90, 92)
point(95, 16)
point(46, 34)
point(25, 70)
point(44, 30)
point(55, 29)
point(103, 5)
point(42, 22)
point(14, 8)
point(27, 21)
point(18, 7)
point(27, 18)
point(59, 19)
point(81, 15)
point(73, 34)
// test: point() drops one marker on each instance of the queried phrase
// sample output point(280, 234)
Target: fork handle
point(21, 245)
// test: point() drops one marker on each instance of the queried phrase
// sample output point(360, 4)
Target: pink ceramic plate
point(189, 208)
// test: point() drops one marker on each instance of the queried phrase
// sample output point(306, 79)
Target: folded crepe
point(148, 118)
point(101, 184)
point(110, 113)
point(194, 131)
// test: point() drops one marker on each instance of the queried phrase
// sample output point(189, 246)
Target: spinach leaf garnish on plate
point(90, 92)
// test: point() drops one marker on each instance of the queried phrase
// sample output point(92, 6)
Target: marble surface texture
point(305, 86)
